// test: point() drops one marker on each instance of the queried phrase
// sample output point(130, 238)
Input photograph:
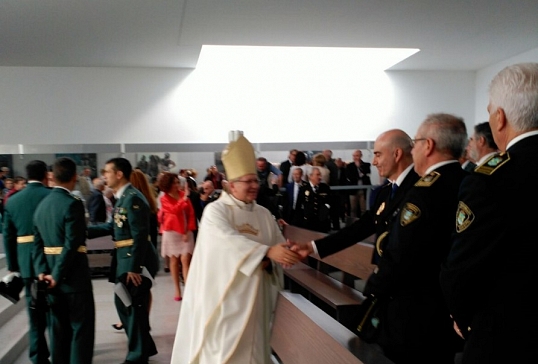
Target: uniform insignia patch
point(306, 193)
point(493, 163)
point(380, 209)
point(428, 179)
point(409, 214)
point(464, 217)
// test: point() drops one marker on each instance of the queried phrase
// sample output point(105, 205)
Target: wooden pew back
point(302, 333)
point(355, 260)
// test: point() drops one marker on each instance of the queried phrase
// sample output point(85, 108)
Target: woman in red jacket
point(177, 223)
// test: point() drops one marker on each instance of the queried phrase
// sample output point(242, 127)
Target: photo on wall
point(153, 164)
point(83, 160)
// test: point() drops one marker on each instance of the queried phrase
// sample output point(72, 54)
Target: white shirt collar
point(63, 188)
point(437, 165)
point(483, 159)
point(402, 175)
point(119, 193)
point(520, 137)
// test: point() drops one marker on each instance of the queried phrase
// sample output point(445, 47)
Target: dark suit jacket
point(493, 254)
point(311, 212)
point(96, 207)
point(60, 224)
point(374, 221)
point(289, 212)
point(352, 173)
point(416, 319)
point(18, 221)
point(333, 177)
point(285, 169)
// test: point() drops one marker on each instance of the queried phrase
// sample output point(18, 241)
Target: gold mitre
point(239, 158)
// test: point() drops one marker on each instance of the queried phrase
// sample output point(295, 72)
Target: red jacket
point(176, 215)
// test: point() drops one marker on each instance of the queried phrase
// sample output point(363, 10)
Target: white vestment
point(229, 299)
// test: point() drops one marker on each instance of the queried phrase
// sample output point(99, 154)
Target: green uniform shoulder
point(428, 180)
point(493, 163)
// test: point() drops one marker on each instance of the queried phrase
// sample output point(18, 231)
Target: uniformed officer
point(312, 204)
point(61, 259)
point(392, 157)
point(18, 243)
point(133, 252)
point(415, 324)
point(489, 277)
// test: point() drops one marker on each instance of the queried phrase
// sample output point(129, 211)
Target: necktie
point(315, 189)
point(295, 194)
point(394, 188)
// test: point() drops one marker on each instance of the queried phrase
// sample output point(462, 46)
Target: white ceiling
point(452, 35)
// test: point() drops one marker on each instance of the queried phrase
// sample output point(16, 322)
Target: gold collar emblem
point(380, 209)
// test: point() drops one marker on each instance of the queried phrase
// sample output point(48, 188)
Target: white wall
point(484, 77)
point(141, 105)
point(85, 106)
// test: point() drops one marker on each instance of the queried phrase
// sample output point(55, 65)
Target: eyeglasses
point(414, 141)
point(250, 181)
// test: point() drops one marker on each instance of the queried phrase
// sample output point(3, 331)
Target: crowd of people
point(443, 228)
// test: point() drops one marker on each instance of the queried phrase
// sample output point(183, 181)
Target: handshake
point(289, 253)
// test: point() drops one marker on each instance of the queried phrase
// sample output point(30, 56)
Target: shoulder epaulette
point(493, 163)
point(428, 179)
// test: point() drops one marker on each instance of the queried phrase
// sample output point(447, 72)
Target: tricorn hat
point(239, 158)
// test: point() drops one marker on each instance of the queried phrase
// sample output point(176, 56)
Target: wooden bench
point(302, 333)
point(335, 298)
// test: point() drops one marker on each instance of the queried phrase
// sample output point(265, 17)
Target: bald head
point(392, 153)
point(208, 187)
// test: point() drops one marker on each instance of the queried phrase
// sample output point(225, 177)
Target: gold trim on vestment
point(55, 250)
point(123, 243)
point(25, 239)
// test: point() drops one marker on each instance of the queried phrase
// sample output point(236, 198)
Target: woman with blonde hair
point(177, 223)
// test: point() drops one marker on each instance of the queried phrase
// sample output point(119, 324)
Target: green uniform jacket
point(131, 221)
point(59, 222)
point(18, 221)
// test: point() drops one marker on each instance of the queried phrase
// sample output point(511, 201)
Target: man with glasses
point(234, 276)
point(415, 322)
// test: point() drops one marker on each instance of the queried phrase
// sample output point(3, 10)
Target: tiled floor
point(110, 345)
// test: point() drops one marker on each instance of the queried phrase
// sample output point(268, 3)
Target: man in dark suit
point(134, 252)
point(393, 159)
point(96, 204)
point(61, 259)
point(286, 165)
point(19, 241)
point(313, 211)
point(415, 322)
point(292, 193)
point(358, 173)
point(489, 277)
